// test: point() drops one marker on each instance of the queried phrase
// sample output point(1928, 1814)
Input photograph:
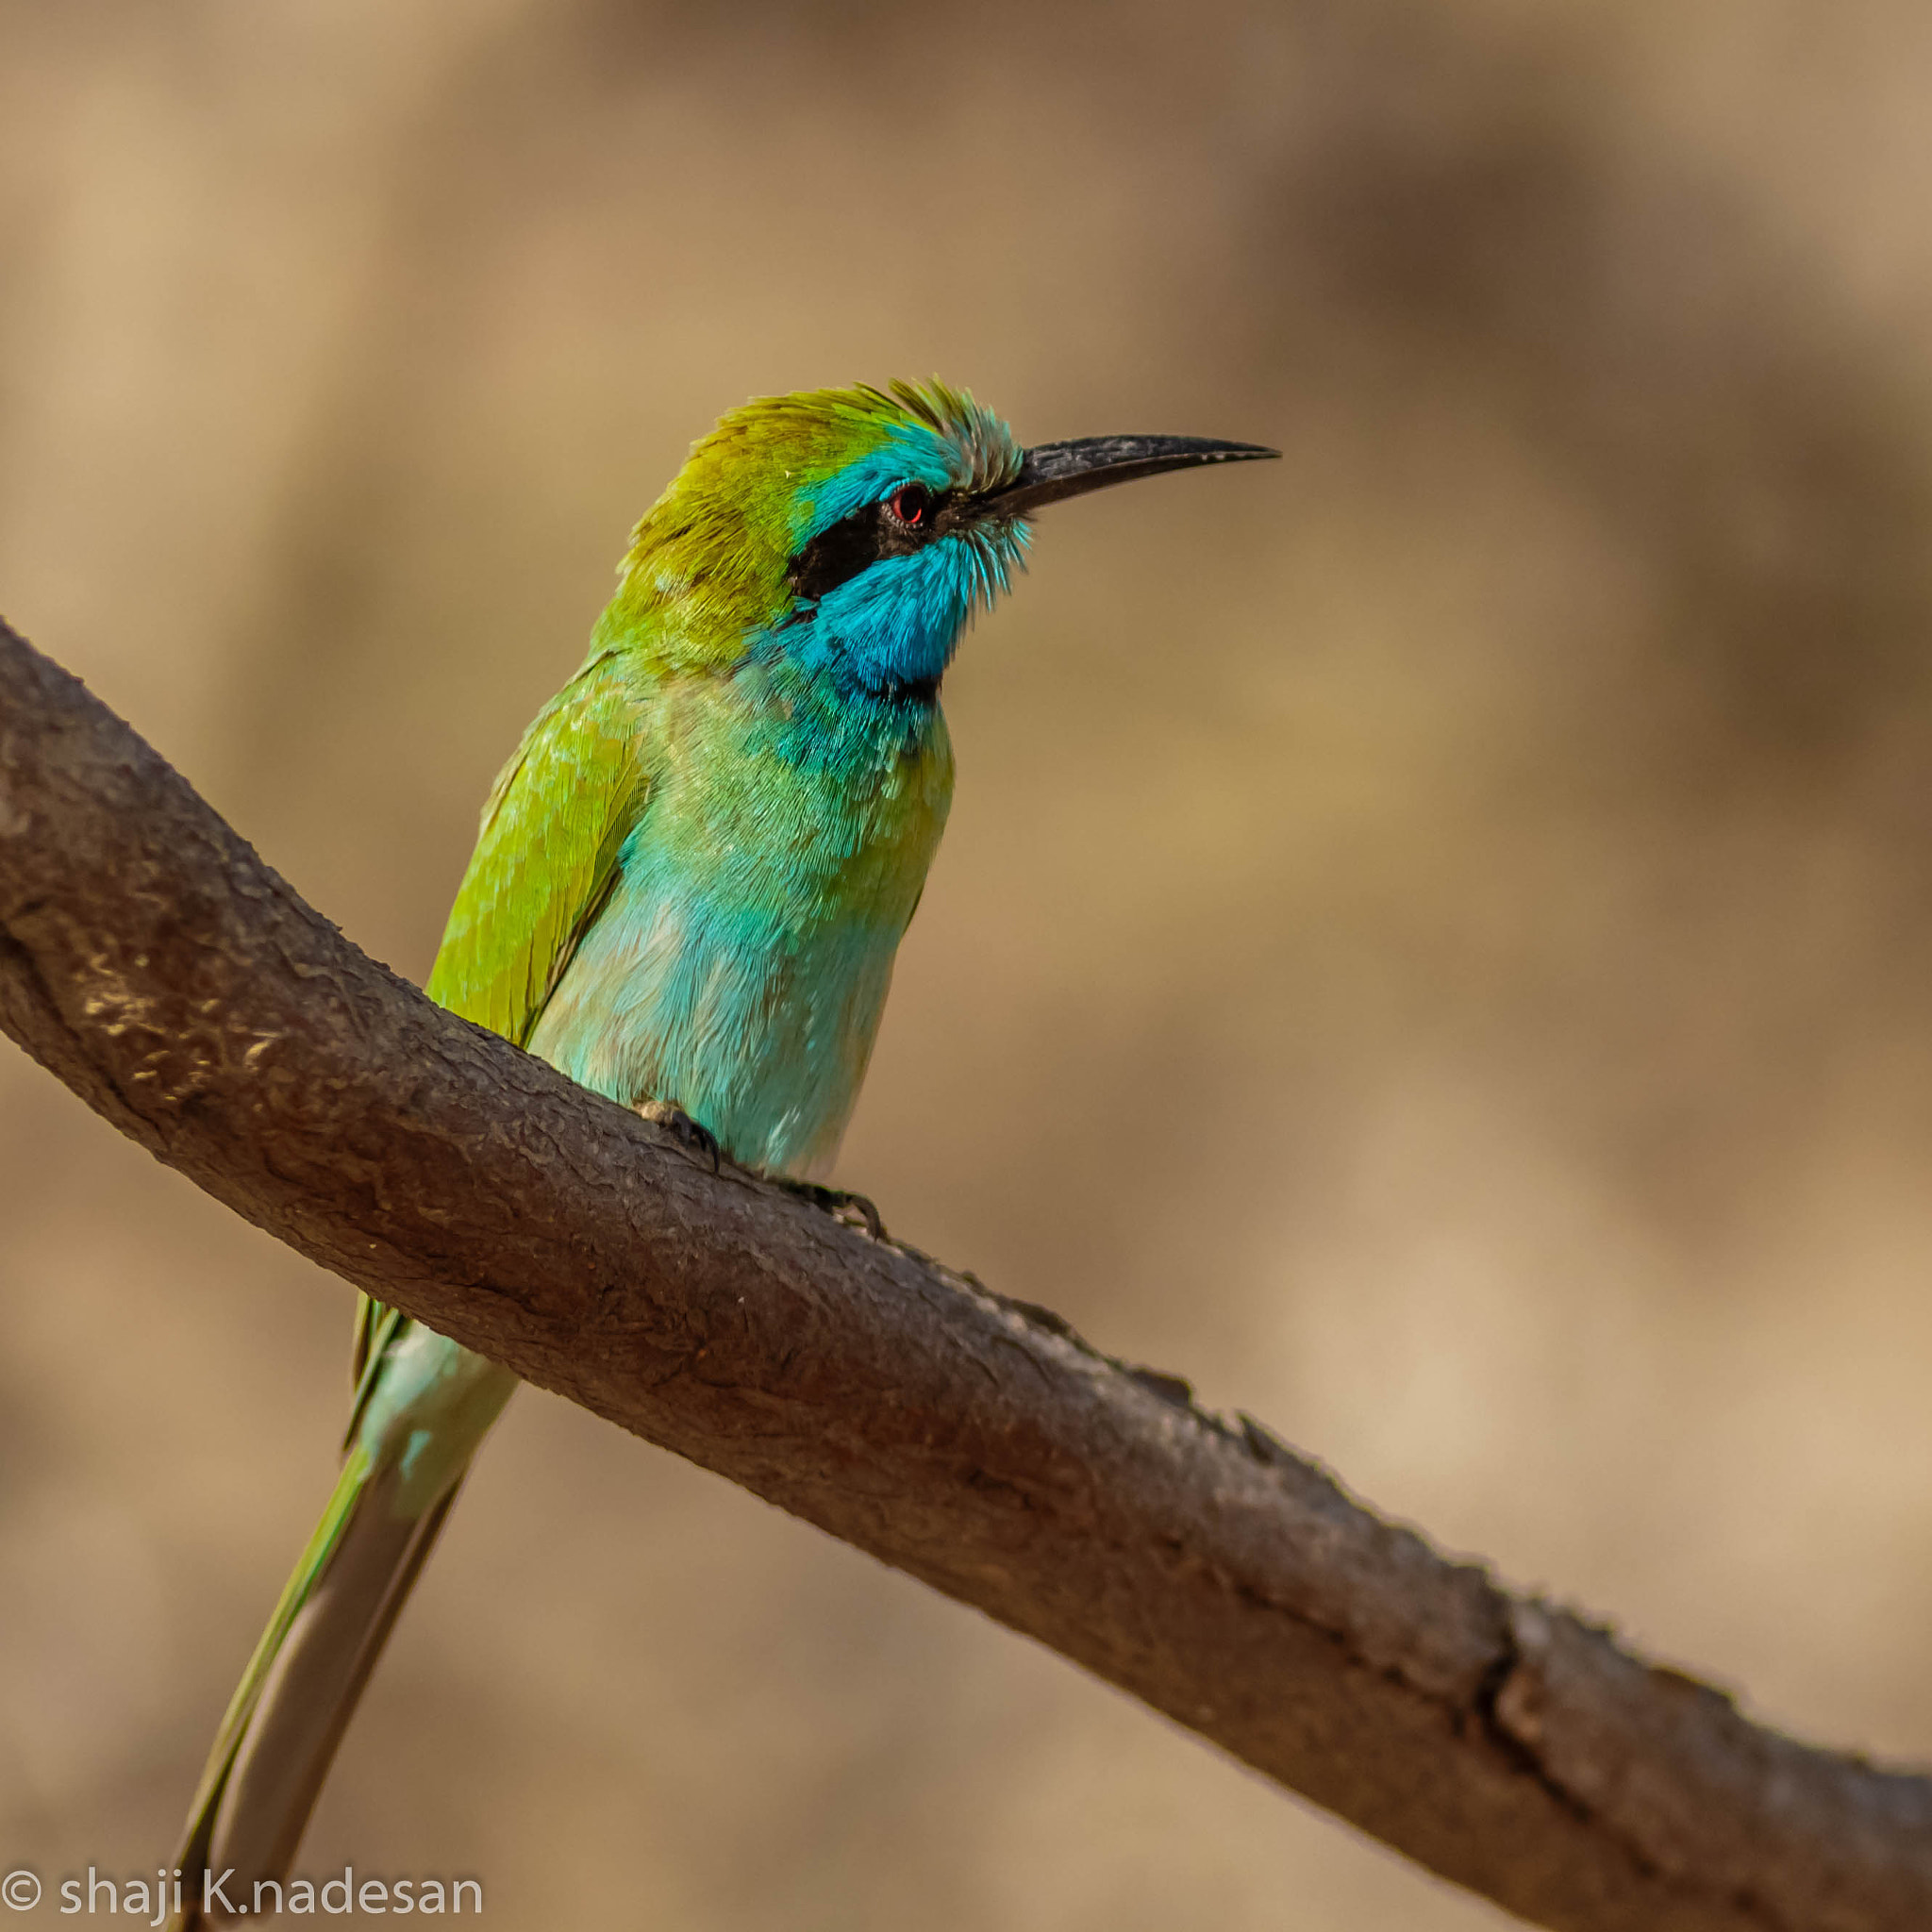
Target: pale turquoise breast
point(740, 963)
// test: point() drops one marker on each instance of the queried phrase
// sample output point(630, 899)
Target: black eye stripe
point(835, 556)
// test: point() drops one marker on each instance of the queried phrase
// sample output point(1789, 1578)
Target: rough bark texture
point(150, 960)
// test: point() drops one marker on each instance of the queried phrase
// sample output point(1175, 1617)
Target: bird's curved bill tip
point(1055, 469)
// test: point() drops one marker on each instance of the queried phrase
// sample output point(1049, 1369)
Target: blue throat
point(873, 638)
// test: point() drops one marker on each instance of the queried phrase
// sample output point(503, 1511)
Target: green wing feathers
point(546, 858)
point(546, 855)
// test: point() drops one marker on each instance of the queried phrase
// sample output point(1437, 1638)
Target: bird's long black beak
point(1055, 469)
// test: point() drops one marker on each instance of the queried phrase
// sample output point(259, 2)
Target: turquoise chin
point(895, 627)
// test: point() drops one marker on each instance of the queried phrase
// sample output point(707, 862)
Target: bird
point(687, 889)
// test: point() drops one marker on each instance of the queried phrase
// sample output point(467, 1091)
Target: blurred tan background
point(1434, 939)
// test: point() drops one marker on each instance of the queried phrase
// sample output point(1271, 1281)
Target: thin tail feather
point(424, 1418)
point(247, 1695)
point(294, 1704)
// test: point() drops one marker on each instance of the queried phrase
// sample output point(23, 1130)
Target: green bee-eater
point(687, 893)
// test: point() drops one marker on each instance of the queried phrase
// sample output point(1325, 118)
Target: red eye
point(912, 505)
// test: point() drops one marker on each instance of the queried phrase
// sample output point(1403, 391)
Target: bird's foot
point(848, 1210)
point(689, 1134)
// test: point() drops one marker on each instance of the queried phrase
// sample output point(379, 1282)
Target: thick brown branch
point(149, 959)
